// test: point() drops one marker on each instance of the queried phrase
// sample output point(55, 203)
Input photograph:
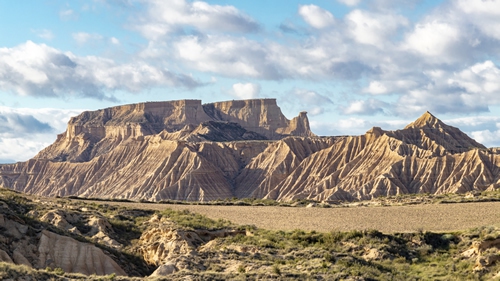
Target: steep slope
point(262, 116)
point(274, 164)
point(430, 133)
point(424, 157)
point(95, 133)
point(184, 150)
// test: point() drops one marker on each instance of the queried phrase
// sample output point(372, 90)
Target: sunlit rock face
point(186, 150)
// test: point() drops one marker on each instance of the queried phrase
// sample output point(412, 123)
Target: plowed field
point(430, 217)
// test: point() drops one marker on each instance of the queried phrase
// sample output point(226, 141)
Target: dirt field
point(432, 217)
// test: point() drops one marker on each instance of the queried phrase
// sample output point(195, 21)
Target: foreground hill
point(185, 150)
point(62, 239)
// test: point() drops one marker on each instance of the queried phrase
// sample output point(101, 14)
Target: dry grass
point(428, 217)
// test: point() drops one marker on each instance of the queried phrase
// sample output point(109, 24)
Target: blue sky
point(352, 64)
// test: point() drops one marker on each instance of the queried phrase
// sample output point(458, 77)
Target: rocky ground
point(408, 213)
point(64, 239)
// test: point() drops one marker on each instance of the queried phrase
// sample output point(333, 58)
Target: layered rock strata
point(184, 150)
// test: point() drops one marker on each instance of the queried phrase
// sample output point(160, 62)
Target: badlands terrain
point(113, 196)
point(186, 150)
point(68, 239)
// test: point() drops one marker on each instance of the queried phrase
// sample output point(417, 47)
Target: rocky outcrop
point(45, 249)
point(94, 133)
point(262, 116)
point(238, 149)
point(73, 256)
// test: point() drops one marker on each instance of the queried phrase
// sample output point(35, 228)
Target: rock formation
point(185, 150)
point(48, 249)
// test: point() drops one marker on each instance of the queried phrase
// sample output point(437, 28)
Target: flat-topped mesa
point(137, 119)
point(262, 116)
point(93, 133)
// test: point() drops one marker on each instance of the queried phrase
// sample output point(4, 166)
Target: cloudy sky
point(352, 64)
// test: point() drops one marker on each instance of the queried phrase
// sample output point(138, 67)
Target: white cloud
point(316, 17)
point(424, 65)
point(480, 79)
point(68, 14)
point(372, 28)
point(164, 17)
point(376, 88)
point(114, 41)
point(26, 131)
point(235, 57)
point(433, 39)
point(484, 14)
point(472, 89)
point(365, 107)
point(43, 33)
point(245, 90)
point(38, 70)
point(349, 2)
point(84, 37)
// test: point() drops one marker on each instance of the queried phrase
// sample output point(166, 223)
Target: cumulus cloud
point(306, 100)
point(164, 17)
point(373, 28)
point(16, 124)
point(365, 107)
point(316, 17)
point(483, 14)
point(245, 90)
point(38, 70)
point(443, 62)
point(433, 39)
point(26, 131)
point(229, 56)
point(472, 89)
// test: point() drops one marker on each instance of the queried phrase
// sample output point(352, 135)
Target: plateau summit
point(186, 150)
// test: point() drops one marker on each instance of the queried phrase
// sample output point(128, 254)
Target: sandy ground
point(430, 217)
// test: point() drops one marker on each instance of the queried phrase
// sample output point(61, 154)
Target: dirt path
point(432, 217)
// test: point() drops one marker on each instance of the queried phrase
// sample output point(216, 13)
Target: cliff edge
point(94, 133)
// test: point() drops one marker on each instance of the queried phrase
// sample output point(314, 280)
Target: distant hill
point(186, 150)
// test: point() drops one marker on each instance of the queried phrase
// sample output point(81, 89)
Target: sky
point(351, 64)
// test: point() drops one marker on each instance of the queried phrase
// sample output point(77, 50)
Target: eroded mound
point(183, 150)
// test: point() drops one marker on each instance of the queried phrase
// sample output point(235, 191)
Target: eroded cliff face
point(238, 149)
point(94, 133)
point(41, 249)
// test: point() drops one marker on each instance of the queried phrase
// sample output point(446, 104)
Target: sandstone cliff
point(94, 133)
point(184, 150)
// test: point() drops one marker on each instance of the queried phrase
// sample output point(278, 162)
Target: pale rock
point(98, 224)
point(73, 256)
point(160, 151)
point(469, 253)
point(165, 269)
point(58, 219)
point(373, 254)
point(164, 242)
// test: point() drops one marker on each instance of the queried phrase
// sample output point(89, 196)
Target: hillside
point(185, 150)
point(63, 239)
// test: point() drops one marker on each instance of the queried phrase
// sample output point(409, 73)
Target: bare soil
point(388, 219)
